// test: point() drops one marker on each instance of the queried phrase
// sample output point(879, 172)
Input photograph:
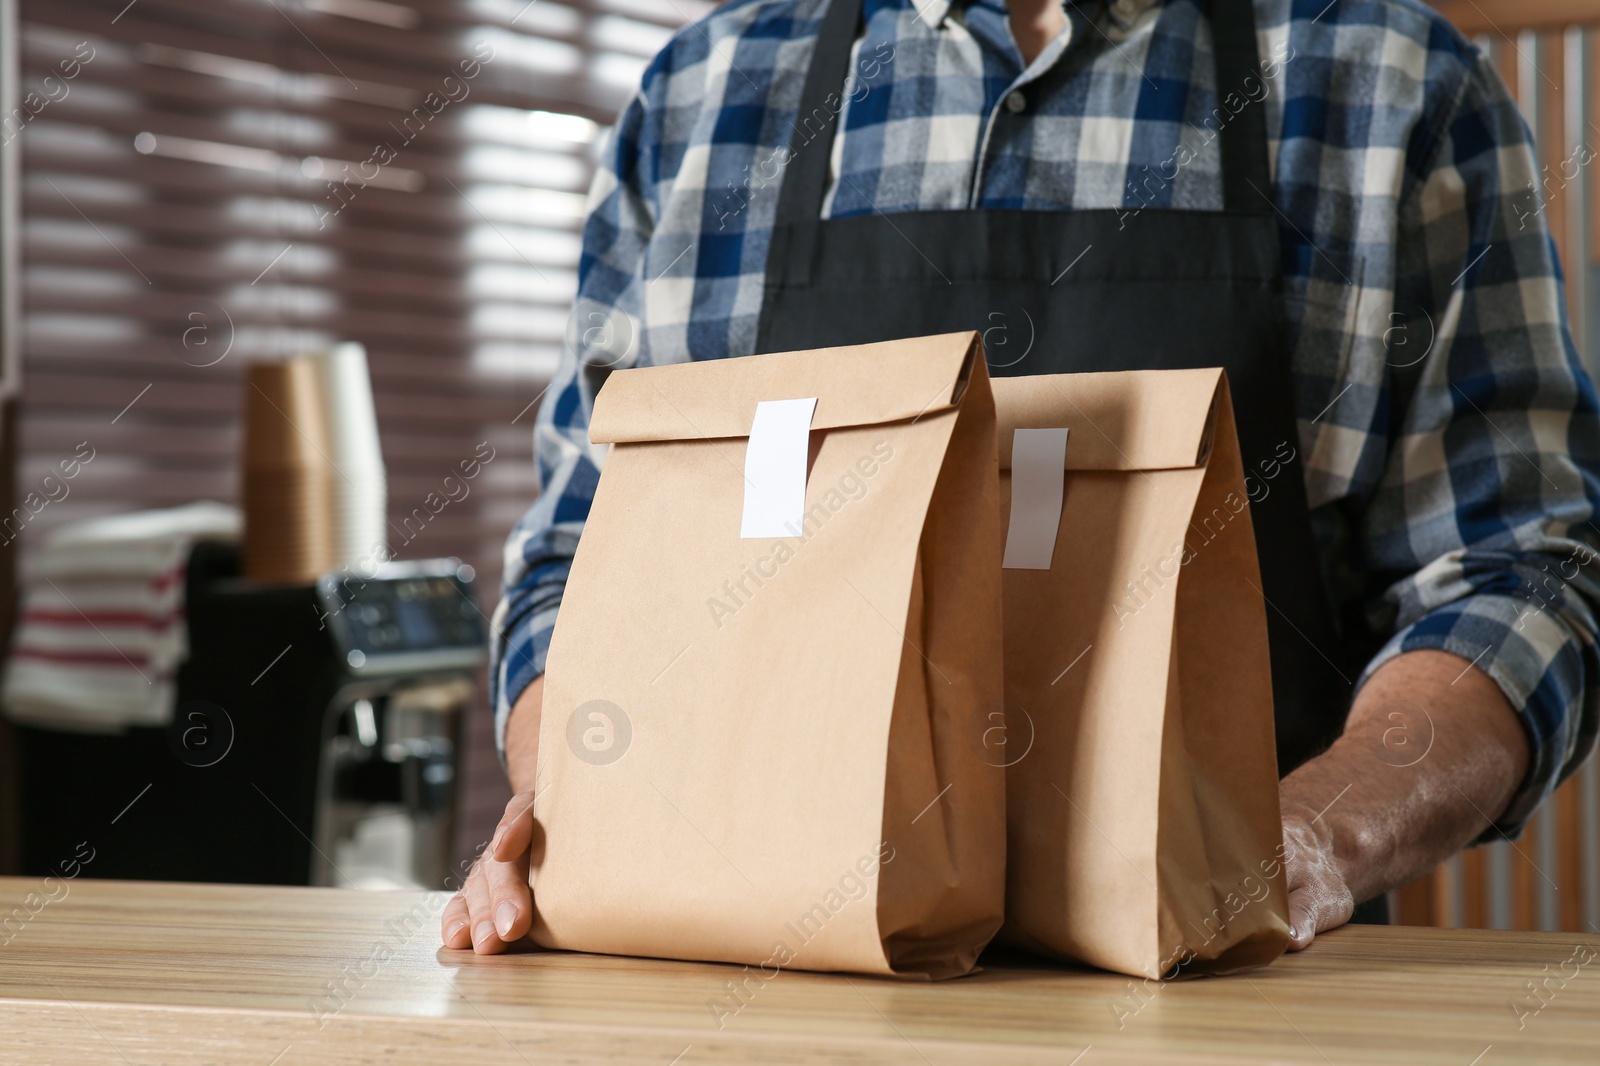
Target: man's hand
point(495, 906)
point(1319, 897)
point(1431, 754)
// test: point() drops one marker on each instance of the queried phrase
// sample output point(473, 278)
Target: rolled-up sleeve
point(602, 335)
point(1488, 499)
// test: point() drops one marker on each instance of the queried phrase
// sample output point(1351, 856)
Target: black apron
point(1090, 291)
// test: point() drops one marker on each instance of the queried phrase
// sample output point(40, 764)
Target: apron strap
point(1243, 137)
point(806, 182)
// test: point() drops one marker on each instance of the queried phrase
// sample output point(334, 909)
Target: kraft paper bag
point(760, 749)
point(1143, 822)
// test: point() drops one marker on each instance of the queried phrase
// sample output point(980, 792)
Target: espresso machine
point(317, 738)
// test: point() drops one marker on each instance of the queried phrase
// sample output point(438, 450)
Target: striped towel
point(102, 627)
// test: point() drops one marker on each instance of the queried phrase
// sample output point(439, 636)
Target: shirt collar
point(934, 11)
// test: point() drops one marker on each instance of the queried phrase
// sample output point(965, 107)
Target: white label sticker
point(775, 468)
point(1038, 482)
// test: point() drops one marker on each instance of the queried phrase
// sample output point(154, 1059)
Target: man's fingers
point(1302, 920)
point(485, 940)
point(510, 897)
point(455, 923)
point(495, 906)
point(1336, 909)
point(515, 833)
point(1318, 901)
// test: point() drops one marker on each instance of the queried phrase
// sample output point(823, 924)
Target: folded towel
point(102, 627)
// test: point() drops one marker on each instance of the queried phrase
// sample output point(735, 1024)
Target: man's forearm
point(1431, 755)
point(522, 737)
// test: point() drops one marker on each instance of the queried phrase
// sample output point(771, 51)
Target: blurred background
point(194, 190)
point(193, 186)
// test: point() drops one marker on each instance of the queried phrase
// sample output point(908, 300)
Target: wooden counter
point(116, 972)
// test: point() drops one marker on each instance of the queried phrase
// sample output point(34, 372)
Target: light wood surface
point(117, 972)
point(1510, 16)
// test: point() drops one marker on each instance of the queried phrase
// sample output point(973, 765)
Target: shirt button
point(1016, 103)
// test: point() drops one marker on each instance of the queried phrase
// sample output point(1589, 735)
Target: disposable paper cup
point(287, 491)
point(285, 420)
point(359, 497)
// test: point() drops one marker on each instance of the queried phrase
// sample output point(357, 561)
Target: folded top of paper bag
point(864, 385)
point(1129, 420)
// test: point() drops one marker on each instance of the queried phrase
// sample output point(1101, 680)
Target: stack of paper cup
point(289, 529)
point(360, 494)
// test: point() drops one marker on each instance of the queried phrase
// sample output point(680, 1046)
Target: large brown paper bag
point(761, 750)
point(1143, 821)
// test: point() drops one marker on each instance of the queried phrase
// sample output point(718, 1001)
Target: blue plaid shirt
point(1455, 512)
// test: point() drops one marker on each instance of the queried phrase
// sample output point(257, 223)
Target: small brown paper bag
point(761, 749)
point(1143, 821)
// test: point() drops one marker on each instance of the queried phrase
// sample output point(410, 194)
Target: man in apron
point(1333, 201)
